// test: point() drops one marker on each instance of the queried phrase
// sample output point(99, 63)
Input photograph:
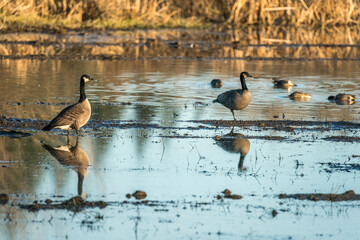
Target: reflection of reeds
point(279, 43)
point(234, 12)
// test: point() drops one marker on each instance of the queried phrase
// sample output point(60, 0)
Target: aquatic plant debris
point(333, 197)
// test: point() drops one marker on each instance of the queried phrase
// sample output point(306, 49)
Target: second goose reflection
point(74, 157)
point(235, 143)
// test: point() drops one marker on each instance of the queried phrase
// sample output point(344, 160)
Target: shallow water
point(182, 168)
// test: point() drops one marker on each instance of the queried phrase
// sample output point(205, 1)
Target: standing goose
point(236, 99)
point(74, 116)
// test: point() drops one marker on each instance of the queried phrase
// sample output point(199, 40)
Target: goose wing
point(227, 97)
point(67, 116)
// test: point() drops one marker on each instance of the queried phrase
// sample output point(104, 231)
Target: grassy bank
point(126, 14)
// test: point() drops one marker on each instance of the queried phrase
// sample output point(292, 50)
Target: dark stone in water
point(4, 198)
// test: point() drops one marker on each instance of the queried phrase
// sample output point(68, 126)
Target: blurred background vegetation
point(31, 15)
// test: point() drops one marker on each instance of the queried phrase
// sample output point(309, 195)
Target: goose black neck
point(243, 83)
point(82, 91)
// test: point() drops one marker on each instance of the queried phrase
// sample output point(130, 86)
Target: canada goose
point(343, 99)
point(236, 99)
point(74, 157)
point(283, 83)
point(300, 96)
point(235, 143)
point(216, 83)
point(74, 116)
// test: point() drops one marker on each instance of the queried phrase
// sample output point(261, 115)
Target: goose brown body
point(74, 116)
point(236, 99)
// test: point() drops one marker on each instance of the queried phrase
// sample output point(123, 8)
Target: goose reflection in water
point(74, 157)
point(235, 143)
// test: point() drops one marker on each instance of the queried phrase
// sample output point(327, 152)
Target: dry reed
point(171, 12)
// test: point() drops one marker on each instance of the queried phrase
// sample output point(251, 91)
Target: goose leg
point(232, 111)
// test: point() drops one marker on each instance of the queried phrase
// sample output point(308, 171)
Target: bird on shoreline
point(216, 83)
point(283, 83)
point(74, 116)
point(299, 96)
point(343, 99)
point(236, 99)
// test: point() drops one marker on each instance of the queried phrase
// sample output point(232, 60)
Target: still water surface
point(180, 172)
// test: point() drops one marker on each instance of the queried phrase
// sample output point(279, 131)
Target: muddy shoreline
point(17, 127)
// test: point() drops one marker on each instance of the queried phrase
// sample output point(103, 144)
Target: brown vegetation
point(153, 13)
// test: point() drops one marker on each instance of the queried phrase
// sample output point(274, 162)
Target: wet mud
point(279, 125)
point(346, 167)
point(74, 204)
point(346, 196)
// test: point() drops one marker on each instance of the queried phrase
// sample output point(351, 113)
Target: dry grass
point(171, 13)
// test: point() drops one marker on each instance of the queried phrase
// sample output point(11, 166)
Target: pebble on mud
point(4, 198)
point(274, 213)
point(139, 195)
point(227, 194)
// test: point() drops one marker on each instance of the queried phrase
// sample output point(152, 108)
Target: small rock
point(274, 213)
point(48, 201)
point(139, 195)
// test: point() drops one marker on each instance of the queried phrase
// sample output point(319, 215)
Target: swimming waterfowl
point(283, 83)
point(235, 143)
point(74, 116)
point(343, 99)
point(74, 157)
point(236, 99)
point(300, 96)
point(216, 83)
